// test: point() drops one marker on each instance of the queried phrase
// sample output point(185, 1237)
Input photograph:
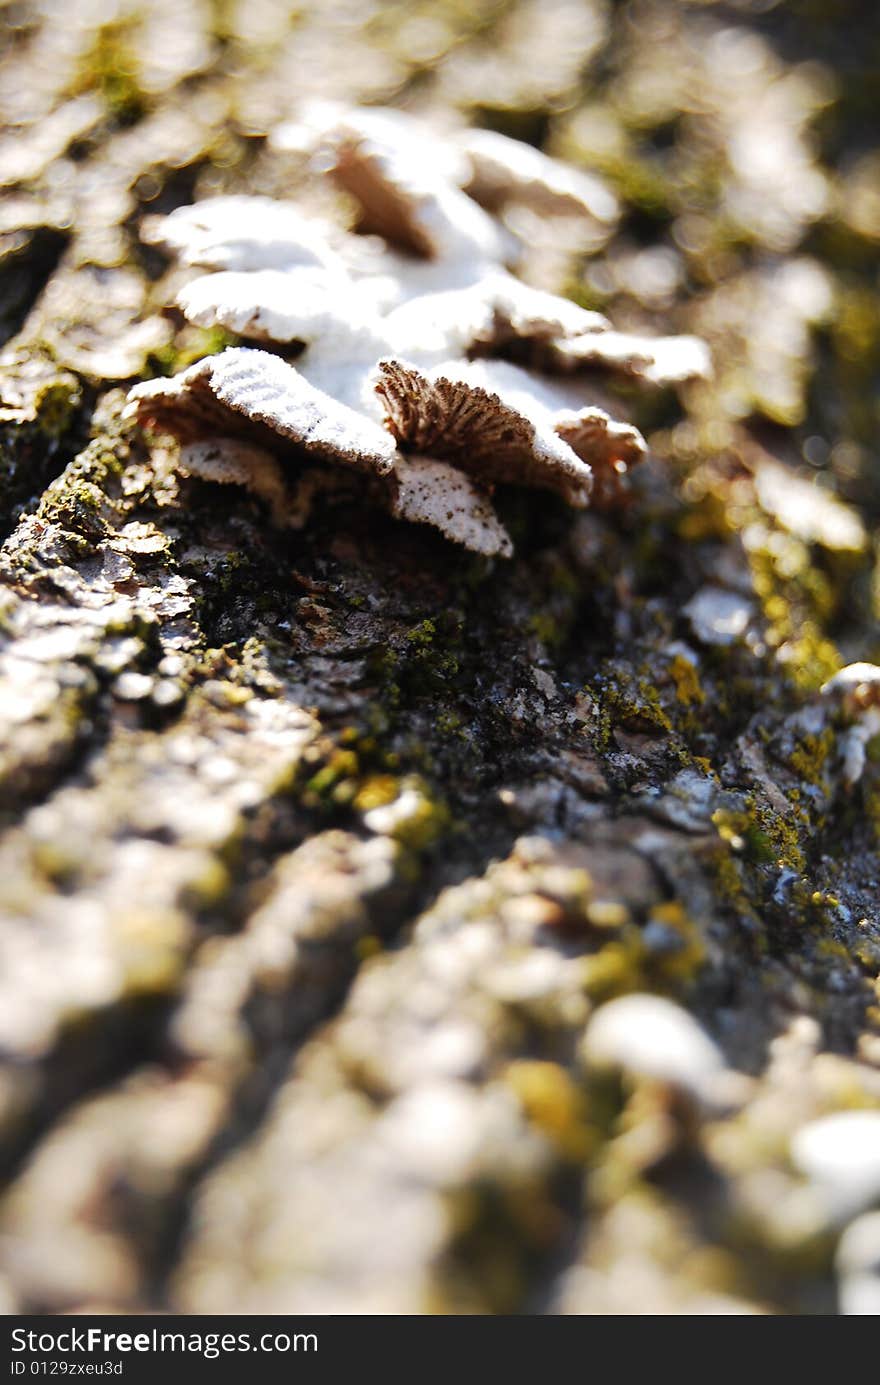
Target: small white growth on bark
point(397, 328)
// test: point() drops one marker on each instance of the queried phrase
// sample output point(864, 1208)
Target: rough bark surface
point(328, 856)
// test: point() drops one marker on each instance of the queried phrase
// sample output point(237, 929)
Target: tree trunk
point(324, 852)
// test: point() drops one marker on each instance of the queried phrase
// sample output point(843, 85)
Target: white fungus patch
point(398, 330)
point(435, 493)
point(505, 170)
point(405, 194)
point(241, 233)
point(263, 395)
point(857, 687)
point(855, 691)
point(653, 360)
point(650, 1037)
point(271, 305)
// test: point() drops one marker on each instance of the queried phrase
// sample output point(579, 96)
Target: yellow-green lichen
point(810, 756)
point(688, 688)
point(112, 68)
point(554, 1103)
point(761, 834)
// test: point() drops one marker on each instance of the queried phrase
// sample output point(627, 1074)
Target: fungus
point(855, 690)
point(857, 686)
point(504, 170)
point(404, 335)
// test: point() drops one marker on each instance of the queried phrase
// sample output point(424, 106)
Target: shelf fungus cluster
point(426, 373)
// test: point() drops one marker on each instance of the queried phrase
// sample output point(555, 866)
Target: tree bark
point(323, 851)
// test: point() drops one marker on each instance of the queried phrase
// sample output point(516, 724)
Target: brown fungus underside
point(404, 331)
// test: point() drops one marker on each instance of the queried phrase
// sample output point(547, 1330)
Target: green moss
point(856, 326)
point(555, 1105)
point(705, 517)
point(730, 885)
point(422, 636)
point(75, 505)
point(546, 628)
point(375, 791)
point(763, 836)
point(601, 723)
point(426, 821)
point(189, 345)
point(337, 779)
point(616, 969)
point(871, 804)
point(385, 666)
point(679, 965)
point(688, 688)
point(810, 757)
point(811, 659)
point(640, 182)
point(426, 664)
point(56, 404)
point(368, 946)
point(111, 68)
point(449, 723)
point(629, 700)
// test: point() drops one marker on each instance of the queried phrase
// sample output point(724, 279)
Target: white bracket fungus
point(396, 378)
